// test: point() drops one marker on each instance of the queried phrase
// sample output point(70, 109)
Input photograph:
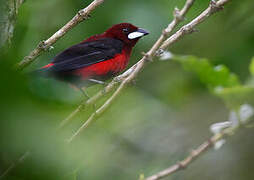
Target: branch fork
point(147, 56)
point(215, 7)
point(177, 14)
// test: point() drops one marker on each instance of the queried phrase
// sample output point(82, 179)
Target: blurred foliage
point(252, 66)
point(208, 74)
point(155, 122)
point(219, 80)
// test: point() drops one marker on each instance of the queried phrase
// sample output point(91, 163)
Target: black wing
point(85, 54)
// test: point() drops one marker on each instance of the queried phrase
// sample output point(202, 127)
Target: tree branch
point(44, 45)
point(90, 101)
point(160, 44)
point(131, 73)
point(204, 147)
point(8, 14)
point(99, 111)
point(214, 7)
point(14, 164)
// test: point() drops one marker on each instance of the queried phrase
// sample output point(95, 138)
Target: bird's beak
point(137, 34)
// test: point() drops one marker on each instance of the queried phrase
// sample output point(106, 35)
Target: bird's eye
point(125, 30)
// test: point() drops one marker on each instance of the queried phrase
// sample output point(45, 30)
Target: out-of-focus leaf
point(212, 76)
point(236, 96)
point(220, 81)
point(251, 67)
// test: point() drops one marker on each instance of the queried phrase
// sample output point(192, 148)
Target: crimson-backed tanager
point(97, 58)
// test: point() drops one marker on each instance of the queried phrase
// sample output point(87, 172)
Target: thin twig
point(214, 7)
point(131, 73)
point(99, 111)
point(194, 154)
point(82, 15)
point(90, 101)
point(14, 164)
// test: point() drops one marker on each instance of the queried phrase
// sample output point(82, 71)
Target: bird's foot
point(97, 81)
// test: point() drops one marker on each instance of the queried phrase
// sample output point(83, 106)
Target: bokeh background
point(154, 123)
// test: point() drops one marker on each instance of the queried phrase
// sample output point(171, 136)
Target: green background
point(153, 124)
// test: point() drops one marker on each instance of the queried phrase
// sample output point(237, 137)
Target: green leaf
point(251, 67)
point(219, 80)
point(212, 76)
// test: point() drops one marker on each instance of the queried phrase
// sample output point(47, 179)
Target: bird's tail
point(40, 72)
point(43, 72)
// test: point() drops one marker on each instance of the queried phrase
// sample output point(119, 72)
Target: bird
point(96, 59)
